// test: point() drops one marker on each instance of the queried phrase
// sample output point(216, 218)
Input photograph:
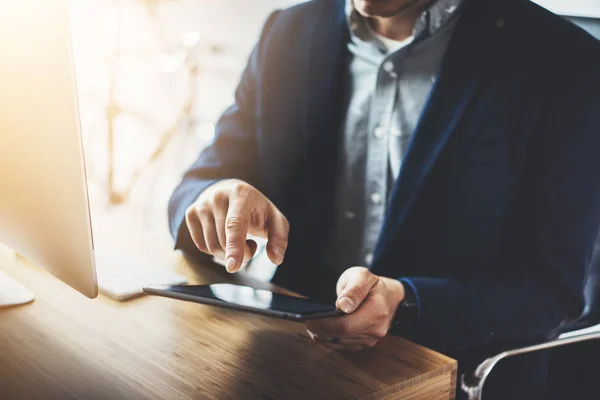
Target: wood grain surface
point(65, 346)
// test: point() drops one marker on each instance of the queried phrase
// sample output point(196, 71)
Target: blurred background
point(153, 78)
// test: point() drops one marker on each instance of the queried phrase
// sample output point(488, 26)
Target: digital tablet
point(245, 298)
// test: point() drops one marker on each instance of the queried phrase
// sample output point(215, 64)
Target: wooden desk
point(64, 346)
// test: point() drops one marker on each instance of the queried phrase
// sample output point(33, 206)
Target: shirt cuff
point(411, 290)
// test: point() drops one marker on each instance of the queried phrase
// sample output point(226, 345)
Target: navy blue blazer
point(495, 211)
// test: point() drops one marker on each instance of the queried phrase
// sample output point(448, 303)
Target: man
point(432, 166)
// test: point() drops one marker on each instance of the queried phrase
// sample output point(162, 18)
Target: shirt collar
point(430, 21)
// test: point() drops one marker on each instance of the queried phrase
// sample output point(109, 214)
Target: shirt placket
point(380, 125)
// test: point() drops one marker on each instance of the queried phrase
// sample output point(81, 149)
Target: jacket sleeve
point(231, 155)
point(539, 282)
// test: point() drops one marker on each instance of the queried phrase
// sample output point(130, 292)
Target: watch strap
point(406, 316)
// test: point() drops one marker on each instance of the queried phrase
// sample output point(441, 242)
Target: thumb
point(353, 287)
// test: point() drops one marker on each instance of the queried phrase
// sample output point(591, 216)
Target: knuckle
point(364, 271)
point(219, 197)
point(240, 187)
point(208, 204)
point(361, 273)
point(191, 213)
point(356, 293)
point(204, 211)
point(233, 249)
point(234, 222)
point(381, 311)
point(257, 219)
point(381, 332)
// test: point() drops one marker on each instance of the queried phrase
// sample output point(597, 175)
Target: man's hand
point(225, 213)
point(370, 302)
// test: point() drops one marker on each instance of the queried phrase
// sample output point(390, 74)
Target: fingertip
point(230, 264)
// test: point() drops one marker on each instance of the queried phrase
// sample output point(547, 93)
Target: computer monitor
point(44, 210)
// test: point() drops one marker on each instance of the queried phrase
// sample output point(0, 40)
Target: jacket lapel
point(468, 54)
point(323, 67)
point(325, 79)
point(324, 104)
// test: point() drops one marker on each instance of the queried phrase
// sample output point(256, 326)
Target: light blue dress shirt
point(387, 84)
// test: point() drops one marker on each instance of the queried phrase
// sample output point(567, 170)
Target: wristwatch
point(405, 319)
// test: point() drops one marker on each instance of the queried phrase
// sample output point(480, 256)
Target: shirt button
point(376, 198)
point(397, 133)
point(369, 259)
point(388, 67)
point(349, 215)
point(379, 132)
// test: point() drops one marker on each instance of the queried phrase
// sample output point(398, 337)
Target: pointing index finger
point(236, 230)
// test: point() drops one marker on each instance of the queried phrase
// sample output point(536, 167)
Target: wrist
point(396, 293)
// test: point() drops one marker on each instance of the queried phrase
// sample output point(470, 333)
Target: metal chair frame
point(474, 386)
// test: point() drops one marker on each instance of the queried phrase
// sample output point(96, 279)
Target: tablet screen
point(245, 296)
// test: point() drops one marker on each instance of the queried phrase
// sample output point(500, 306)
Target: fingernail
point(230, 264)
point(346, 304)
